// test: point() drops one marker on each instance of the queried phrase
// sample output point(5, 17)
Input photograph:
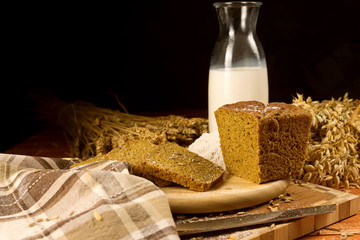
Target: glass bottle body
point(238, 69)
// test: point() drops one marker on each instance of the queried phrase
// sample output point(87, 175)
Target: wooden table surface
point(51, 143)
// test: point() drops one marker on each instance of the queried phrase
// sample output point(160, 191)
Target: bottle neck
point(237, 44)
point(237, 19)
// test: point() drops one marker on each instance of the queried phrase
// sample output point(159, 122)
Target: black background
point(155, 54)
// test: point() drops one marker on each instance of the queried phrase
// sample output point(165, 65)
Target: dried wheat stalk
point(333, 154)
point(93, 130)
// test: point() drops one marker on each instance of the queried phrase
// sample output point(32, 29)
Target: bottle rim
point(237, 4)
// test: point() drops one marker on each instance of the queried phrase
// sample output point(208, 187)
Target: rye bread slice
point(174, 163)
point(133, 151)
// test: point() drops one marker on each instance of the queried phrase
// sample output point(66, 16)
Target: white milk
point(236, 84)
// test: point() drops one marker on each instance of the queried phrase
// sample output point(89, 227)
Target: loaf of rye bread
point(262, 143)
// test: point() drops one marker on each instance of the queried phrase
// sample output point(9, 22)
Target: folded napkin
point(41, 198)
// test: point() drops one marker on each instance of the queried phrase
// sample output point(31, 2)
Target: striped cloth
point(41, 198)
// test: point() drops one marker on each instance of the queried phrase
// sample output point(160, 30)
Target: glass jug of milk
point(238, 69)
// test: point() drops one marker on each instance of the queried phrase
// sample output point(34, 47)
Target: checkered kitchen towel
point(41, 198)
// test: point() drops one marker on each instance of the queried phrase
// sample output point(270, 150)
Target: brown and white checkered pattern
point(41, 198)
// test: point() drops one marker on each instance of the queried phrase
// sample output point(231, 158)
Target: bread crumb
point(97, 216)
point(181, 217)
point(32, 224)
point(273, 209)
point(233, 237)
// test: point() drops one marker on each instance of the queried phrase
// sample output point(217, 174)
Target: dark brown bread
point(174, 163)
point(166, 164)
point(133, 151)
point(263, 143)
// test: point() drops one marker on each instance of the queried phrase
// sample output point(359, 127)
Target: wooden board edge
point(303, 226)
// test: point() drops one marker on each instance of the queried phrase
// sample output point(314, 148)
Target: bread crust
point(274, 145)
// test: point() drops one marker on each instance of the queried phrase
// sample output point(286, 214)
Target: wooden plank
point(299, 227)
point(305, 195)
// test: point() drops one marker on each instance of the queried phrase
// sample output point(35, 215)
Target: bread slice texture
point(165, 164)
point(133, 151)
point(174, 163)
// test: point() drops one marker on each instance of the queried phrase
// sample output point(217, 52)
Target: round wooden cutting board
point(229, 194)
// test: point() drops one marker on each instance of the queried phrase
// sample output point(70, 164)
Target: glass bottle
point(238, 69)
